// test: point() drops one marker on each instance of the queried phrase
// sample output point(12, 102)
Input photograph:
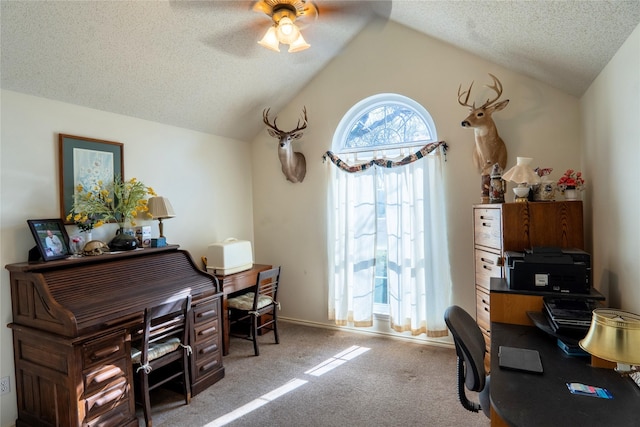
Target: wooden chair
point(256, 309)
point(160, 352)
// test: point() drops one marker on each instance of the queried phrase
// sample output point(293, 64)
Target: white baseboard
point(446, 342)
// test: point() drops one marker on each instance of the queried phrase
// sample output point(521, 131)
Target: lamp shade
point(270, 40)
point(298, 45)
point(160, 208)
point(522, 173)
point(614, 335)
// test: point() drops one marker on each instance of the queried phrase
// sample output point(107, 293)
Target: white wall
point(610, 119)
point(202, 175)
point(539, 122)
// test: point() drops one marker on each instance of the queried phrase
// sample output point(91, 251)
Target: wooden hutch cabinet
point(72, 326)
point(515, 227)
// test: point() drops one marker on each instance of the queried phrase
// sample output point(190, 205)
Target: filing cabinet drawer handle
point(486, 260)
point(105, 352)
point(486, 224)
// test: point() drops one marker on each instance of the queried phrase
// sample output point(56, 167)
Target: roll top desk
point(72, 326)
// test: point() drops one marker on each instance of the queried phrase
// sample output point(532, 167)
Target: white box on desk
point(143, 234)
point(229, 257)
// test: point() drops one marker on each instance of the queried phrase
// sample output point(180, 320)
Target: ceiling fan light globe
point(270, 40)
point(298, 45)
point(287, 31)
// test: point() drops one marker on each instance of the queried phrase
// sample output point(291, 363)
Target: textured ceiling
point(197, 64)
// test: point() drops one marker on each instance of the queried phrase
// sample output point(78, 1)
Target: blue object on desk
point(160, 242)
point(572, 350)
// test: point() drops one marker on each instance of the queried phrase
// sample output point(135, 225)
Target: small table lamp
point(614, 335)
point(160, 208)
point(523, 175)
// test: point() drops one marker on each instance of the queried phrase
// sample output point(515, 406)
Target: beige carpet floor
point(381, 382)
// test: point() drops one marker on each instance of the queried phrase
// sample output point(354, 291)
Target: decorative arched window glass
point(384, 123)
point(387, 245)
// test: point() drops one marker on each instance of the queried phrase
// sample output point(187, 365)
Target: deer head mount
point(294, 165)
point(490, 148)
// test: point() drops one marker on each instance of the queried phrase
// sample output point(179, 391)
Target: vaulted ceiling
point(196, 64)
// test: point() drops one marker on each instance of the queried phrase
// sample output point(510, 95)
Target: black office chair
point(256, 309)
point(160, 352)
point(470, 349)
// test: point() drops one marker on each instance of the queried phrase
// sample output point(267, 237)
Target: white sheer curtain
point(418, 274)
point(419, 278)
point(351, 246)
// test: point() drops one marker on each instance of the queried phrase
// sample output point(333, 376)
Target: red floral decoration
point(571, 179)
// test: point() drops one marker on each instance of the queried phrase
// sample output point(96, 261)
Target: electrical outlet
point(5, 385)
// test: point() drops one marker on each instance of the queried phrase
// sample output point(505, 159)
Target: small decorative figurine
point(497, 185)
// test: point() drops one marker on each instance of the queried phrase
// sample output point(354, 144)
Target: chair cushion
point(245, 301)
point(156, 350)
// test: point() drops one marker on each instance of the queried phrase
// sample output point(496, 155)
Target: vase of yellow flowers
point(117, 201)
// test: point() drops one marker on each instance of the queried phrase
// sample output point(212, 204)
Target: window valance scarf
point(383, 162)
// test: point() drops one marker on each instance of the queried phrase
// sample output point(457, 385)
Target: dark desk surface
point(524, 399)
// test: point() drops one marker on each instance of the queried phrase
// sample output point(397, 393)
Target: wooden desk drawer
point(206, 332)
point(101, 349)
point(111, 396)
point(487, 228)
point(487, 265)
point(116, 417)
point(101, 375)
point(206, 350)
point(205, 366)
point(483, 314)
point(206, 312)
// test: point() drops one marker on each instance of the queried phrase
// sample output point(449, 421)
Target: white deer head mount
point(294, 165)
point(490, 148)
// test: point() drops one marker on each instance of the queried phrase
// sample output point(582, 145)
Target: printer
point(549, 269)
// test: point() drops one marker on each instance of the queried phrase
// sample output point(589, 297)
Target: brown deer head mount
point(294, 165)
point(490, 148)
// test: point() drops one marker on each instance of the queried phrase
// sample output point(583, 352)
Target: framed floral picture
point(86, 162)
point(51, 238)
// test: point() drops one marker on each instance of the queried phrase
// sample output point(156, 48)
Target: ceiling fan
point(287, 14)
point(284, 14)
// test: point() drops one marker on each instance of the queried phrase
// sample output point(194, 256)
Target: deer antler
point(497, 87)
point(466, 100)
point(265, 119)
point(304, 121)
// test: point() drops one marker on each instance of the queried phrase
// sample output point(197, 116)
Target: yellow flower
point(118, 201)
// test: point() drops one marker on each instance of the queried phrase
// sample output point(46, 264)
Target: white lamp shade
point(160, 208)
point(522, 173)
point(298, 45)
point(270, 40)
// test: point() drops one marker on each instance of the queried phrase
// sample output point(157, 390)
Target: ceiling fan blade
point(262, 7)
point(380, 8)
point(241, 42)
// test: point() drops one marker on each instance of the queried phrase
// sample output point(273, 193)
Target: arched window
point(386, 222)
point(384, 122)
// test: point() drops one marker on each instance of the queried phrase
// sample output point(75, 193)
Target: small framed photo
point(51, 238)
